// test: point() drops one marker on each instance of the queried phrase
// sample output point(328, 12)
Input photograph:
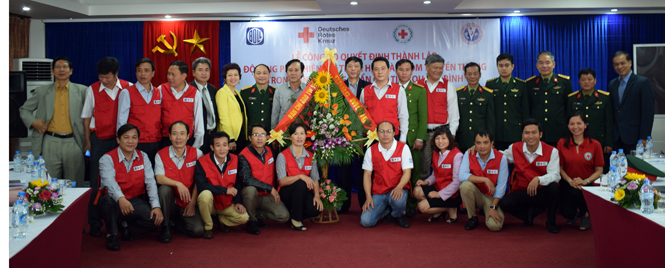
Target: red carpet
point(348, 244)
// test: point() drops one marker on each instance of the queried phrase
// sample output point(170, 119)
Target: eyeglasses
point(259, 135)
point(385, 131)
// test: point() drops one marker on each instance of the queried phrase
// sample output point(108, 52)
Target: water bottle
point(604, 182)
point(639, 150)
point(19, 220)
point(34, 173)
point(646, 196)
point(17, 161)
point(611, 179)
point(42, 167)
point(614, 159)
point(623, 164)
point(648, 149)
point(29, 161)
point(54, 184)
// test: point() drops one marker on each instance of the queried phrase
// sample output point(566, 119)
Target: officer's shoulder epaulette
point(247, 87)
point(603, 92)
point(519, 80)
point(489, 90)
point(269, 86)
point(419, 85)
point(564, 76)
point(490, 80)
point(460, 88)
point(529, 79)
point(573, 94)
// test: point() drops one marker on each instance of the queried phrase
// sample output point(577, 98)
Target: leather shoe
point(529, 217)
point(261, 224)
point(112, 243)
point(472, 223)
point(552, 228)
point(387, 219)
point(165, 237)
point(207, 234)
point(402, 222)
point(95, 231)
point(126, 235)
point(223, 228)
point(410, 212)
point(253, 228)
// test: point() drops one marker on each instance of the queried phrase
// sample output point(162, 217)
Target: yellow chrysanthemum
point(322, 80)
point(39, 183)
point(321, 96)
point(619, 194)
point(634, 176)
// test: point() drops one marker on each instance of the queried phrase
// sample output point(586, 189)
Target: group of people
point(190, 150)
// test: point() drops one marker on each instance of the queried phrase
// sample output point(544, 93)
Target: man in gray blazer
point(58, 133)
point(633, 103)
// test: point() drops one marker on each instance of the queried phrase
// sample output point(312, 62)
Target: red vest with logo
point(525, 171)
point(292, 168)
point(228, 179)
point(444, 172)
point(260, 171)
point(185, 174)
point(491, 170)
point(387, 174)
point(146, 116)
point(105, 111)
point(177, 109)
point(132, 183)
point(384, 109)
point(437, 102)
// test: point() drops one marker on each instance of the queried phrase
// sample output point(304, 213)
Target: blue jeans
point(380, 210)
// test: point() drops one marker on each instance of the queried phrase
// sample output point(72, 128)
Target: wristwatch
point(587, 181)
point(493, 207)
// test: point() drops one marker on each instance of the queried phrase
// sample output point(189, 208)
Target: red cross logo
point(306, 35)
point(403, 34)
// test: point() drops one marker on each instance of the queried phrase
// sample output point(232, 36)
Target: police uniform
point(476, 112)
point(597, 109)
point(259, 105)
point(512, 107)
point(416, 96)
point(547, 102)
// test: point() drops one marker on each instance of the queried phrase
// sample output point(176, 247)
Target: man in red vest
point(484, 175)
point(257, 169)
point(181, 102)
point(535, 185)
point(441, 106)
point(385, 101)
point(100, 114)
point(141, 105)
point(387, 166)
point(174, 171)
point(218, 182)
point(126, 177)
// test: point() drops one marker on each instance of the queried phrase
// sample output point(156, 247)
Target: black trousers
point(97, 149)
point(571, 200)
point(150, 149)
point(298, 200)
point(620, 144)
point(138, 222)
point(519, 203)
point(345, 181)
point(205, 148)
point(191, 226)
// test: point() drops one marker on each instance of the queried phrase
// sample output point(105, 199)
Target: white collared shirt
point(402, 108)
point(407, 160)
point(199, 130)
point(451, 98)
point(89, 104)
point(125, 102)
point(205, 96)
point(553, 170)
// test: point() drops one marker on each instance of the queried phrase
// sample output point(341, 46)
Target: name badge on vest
point(541, 163)
point(270, 161)
point(391, 96)
point(137, 168)
point(441, 90)
point(157, 102)
point(395, 159)
point(188, 99)
point(493, 171)
point(308, 167)
point(446, 166)
point(233, 171)
point(191, 164)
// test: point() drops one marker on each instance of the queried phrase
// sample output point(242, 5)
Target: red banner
point(162, 40)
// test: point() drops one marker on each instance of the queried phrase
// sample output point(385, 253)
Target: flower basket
point(627, 191)
point(43, 198)
point(332, 197)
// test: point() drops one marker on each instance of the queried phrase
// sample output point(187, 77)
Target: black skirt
point(452, 202)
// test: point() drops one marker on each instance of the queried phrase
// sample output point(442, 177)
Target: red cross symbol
point(305, 35)
point(402, 34)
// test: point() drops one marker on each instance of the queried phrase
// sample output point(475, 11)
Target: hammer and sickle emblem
point(171, 49)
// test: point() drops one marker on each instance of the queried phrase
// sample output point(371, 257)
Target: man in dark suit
point(201, 69)
point(633, 104)
point(353, 67)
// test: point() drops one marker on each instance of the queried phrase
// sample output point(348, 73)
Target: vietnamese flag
point(182, 30)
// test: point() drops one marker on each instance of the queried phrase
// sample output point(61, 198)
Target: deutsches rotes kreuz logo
point(402, 34)
point(471, 33)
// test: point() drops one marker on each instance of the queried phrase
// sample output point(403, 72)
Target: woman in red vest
point(581, 160)
point(299, 179)
point(232, 114)
point(440, 192)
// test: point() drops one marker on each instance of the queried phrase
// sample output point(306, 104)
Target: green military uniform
point(597, 108)
point(417, 106)
point(548, 105)
point(476, 112)
point(512, 107)
point(259, 104)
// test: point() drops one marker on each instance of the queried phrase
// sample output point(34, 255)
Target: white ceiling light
point(466, 14)
point(262, 15)
point(613, 10)
point(354, 3)
point(427, 2)
point(516, 11)
point(26, 9)
point(167, 16)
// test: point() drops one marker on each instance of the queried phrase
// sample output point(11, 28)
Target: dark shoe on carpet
point(298, 228)
point(387, 219)
point(95, 231)
point(112, 243)
point(530, 216)
point(472, 223)
point(585, 224)
point(126, 235)
point(462, 211)
point(452, 220)
point(165, 236)
point(207, 234)
point(402, 222)
point(410, 212)
point(253, 228)
point(433, 218)
point(570, 221)
point(481, 212)
point(223, 228)
point(552, 228)
point(261, 224)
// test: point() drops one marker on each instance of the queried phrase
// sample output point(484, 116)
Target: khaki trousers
point(472, 197)
point(227, 216)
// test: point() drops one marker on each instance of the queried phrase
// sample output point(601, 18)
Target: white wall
point(658, 133)
point(37, 39)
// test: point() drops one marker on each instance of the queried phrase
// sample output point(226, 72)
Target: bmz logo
point(471, 33)
point(255, 36)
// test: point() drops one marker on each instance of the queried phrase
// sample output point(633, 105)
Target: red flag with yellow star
point(167, 41)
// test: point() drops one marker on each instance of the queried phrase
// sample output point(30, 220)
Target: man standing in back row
point(201, 68)
point(181, 102)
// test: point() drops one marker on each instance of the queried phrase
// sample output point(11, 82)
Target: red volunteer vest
point(132, 183)
point(491, 170)
point(444, 172)
point(292, 168)
point(387, 174)
point(384, 109)
point(260, 171)
point(177, 109)
point(146, 116)
point(525, 171)
point(228, 179)
point(437, 102)
point(105, 111)
point(185, 174)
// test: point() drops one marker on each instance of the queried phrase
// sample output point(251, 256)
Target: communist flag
point(182, 30)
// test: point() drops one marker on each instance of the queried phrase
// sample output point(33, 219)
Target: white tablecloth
point(655, 217)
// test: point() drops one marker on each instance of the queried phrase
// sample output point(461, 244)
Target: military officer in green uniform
point(510, 101)
point(258, 97)
point(548, 97)
point(476, 107)
point(417, 136)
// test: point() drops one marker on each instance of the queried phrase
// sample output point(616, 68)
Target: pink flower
point(334, 187)
point(327, 187)
point(323, 195)
point(328, 181)
point(334, 193)
point(320, 190)
point(331, 198)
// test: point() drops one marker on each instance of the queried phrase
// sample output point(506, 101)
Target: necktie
point(471, 91)
point(622, 88)
point(211, 114)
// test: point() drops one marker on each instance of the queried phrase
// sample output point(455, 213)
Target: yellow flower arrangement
point(321, 96)
point(322, 80)
point(39, 183)
point(619, 194)
point(634, 176)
